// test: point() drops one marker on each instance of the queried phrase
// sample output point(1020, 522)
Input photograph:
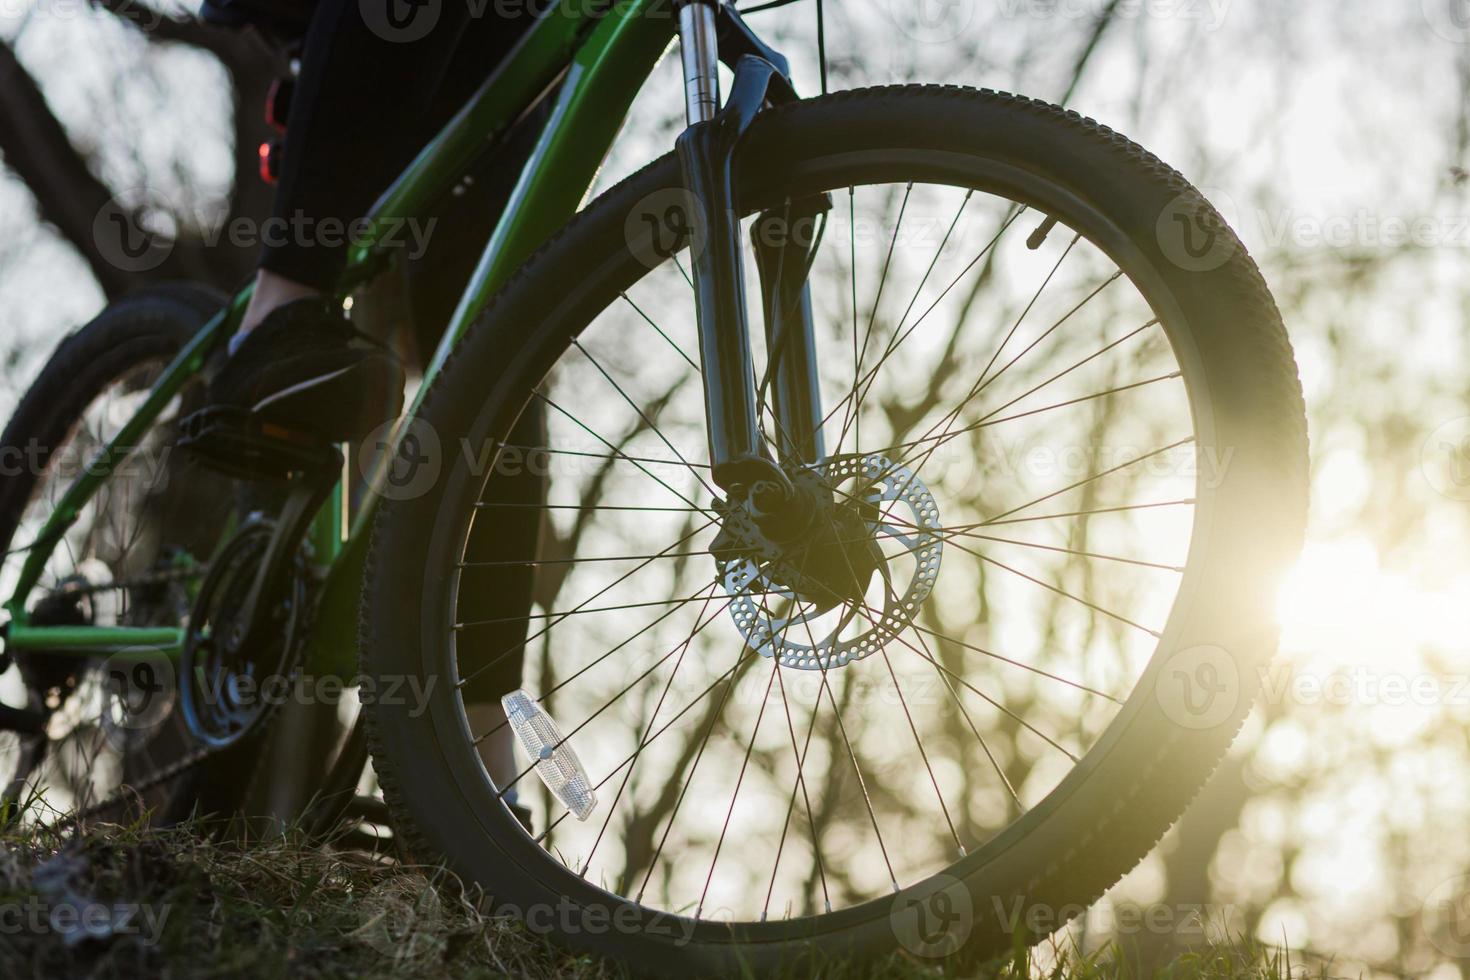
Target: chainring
point(225, 696)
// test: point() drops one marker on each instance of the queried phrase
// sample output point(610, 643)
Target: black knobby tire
point(143, 329)
point(1108, 812)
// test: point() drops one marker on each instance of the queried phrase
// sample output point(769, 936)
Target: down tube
point(605, 75)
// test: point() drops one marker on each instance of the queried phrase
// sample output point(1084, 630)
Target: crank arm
point(304, 500)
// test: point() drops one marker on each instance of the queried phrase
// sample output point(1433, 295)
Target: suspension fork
point(783, 240)
point(709, 32)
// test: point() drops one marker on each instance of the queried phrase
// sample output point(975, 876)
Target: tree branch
point(1079, 67)
point(36, 147)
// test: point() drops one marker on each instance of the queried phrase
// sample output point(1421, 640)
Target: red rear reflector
point(268, 162)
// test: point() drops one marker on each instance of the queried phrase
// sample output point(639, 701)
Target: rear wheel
point(1063, 418)
point(113, 743)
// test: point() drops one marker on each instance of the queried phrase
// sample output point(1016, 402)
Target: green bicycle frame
point(591, 58)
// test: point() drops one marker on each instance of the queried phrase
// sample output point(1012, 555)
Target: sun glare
point(1340, 607)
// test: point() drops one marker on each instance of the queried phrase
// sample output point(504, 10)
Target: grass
point(130, 902)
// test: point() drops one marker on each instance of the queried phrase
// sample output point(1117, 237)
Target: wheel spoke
point(588, 429)
point(877, 299)
point(642, 415)
point(998, 518)
point(799, 783)
point(642, 739)
point(659, 330)
point(508, 651)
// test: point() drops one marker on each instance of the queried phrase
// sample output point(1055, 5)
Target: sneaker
point(306, 369)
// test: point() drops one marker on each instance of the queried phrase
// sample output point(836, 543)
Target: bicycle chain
point(154, 578)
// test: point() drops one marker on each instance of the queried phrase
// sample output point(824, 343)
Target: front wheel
point(1063, 418)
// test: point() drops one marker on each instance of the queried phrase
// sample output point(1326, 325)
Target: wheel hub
point(787, 578)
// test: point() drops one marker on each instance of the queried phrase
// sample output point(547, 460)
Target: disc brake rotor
point(905, 514)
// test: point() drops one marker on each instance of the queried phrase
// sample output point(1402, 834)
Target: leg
point(507, 529)
point(360, 112)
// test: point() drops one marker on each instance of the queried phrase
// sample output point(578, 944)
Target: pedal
point(238, 443)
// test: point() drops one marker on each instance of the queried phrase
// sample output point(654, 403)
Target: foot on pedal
point(241, 444)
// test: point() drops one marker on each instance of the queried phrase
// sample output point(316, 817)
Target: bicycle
point(875, 553)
